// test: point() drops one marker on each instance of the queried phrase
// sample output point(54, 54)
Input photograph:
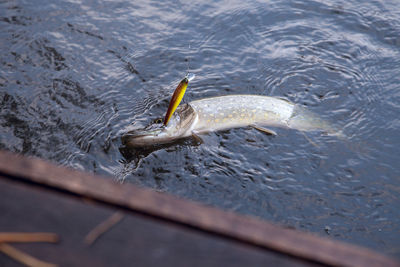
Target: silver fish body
point(225, 112)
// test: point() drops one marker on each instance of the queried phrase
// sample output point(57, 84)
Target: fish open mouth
point(142, 133)
point(138, 137)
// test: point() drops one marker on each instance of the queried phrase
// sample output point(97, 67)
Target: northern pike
point(225, 112)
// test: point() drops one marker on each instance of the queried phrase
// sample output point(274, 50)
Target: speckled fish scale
point(226, 112)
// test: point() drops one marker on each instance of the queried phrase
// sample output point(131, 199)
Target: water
point(76, 75)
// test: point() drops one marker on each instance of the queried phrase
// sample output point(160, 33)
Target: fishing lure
point(177, 96)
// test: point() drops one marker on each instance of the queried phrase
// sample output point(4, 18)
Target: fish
point(227, 112)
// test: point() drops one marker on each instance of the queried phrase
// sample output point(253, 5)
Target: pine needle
point(22, 257)
point(12, 237)
point(103, 227)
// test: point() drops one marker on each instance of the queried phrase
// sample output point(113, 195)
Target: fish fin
point(264, 130)
point(284, 99)
point(197, 138)
point(309, 140)
point(339, 134)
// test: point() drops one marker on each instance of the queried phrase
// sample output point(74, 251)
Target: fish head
point(157, 133)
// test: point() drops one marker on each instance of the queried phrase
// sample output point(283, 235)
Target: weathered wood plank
point(137, 240)
point(245, 229)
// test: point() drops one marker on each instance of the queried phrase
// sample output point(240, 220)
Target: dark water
point(76, 75)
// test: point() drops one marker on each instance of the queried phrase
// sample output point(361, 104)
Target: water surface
point(76, 75)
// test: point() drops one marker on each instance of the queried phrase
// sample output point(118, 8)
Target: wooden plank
point(137, 240)
point(242, 228)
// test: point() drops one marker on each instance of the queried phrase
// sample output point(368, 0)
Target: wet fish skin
point(226, 112)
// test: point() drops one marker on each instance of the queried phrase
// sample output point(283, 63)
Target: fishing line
point(188, 62)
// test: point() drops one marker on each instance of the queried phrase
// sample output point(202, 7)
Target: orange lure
point(176, 99)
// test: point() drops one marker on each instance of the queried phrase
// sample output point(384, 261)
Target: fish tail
point(305, 120)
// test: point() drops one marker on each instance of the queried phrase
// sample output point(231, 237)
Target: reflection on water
point(75, 76)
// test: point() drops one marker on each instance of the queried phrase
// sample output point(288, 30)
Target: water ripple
point(75, 76)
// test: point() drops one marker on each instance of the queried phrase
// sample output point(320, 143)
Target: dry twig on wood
point(12, 237)
point(103, 227)
point(22, 257)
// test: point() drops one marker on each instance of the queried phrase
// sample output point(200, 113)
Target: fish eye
point(158, 120)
